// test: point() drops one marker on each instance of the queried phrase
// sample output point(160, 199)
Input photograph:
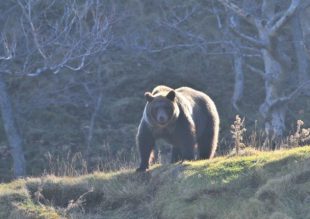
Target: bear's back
point(192, 97)
point(199, 106)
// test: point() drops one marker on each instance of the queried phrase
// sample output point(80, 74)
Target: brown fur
point(194, 121)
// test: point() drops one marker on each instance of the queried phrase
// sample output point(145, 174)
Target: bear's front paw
point(141, 169)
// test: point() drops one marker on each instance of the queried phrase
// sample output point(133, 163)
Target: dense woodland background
point(73, 73)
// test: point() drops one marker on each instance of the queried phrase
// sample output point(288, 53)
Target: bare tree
point(268, 24)
point(251, 31)
point(46, 37)
point(12, 133)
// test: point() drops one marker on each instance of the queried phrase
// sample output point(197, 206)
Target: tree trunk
point(268, 25)
point(301, 54)
point(92, 125)
point(275, 126)
point(239, 78)
point(233, 20)
point(13, 137)
point(274, 115)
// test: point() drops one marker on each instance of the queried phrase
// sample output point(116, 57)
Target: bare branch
point(216, 13)
point(275, 18)
point(240, 12)
point(38, 71)
point(266, 108)
point(298, 90)
point(285, 17)
point(256, 70)
point(79, 67)
point(176, 46)
point(188, 13)
point(66, 41)
point(27, 13)
point(9, 48)
point(255, 42)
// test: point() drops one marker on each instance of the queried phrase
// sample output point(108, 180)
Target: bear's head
point(162, 108)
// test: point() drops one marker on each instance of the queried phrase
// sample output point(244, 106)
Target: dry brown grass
point(256, 185)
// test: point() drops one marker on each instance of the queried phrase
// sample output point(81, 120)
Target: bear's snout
point(162, 117)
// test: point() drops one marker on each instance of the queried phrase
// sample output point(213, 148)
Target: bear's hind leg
point(180, 154)
point(187, 152)
point(175, 155)
point(207, 144)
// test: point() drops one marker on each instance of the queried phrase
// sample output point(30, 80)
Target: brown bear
point(183, 117)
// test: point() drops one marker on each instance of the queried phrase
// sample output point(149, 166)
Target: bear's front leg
point(146, 143)
point(183, 148)
point(183, 145)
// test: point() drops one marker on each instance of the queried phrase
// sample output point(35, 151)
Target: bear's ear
point(171, 95)
point(148, 96)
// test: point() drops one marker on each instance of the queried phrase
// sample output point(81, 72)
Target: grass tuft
point(255, 185)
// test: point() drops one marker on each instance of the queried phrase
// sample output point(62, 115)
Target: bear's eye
point(154, 111)
point(168, 110)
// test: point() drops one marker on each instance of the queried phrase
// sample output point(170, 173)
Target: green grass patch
point(255, 185)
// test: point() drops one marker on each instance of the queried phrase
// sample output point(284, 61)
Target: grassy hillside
point(255, 185)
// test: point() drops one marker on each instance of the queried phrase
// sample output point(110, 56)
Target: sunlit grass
point(257, 183)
